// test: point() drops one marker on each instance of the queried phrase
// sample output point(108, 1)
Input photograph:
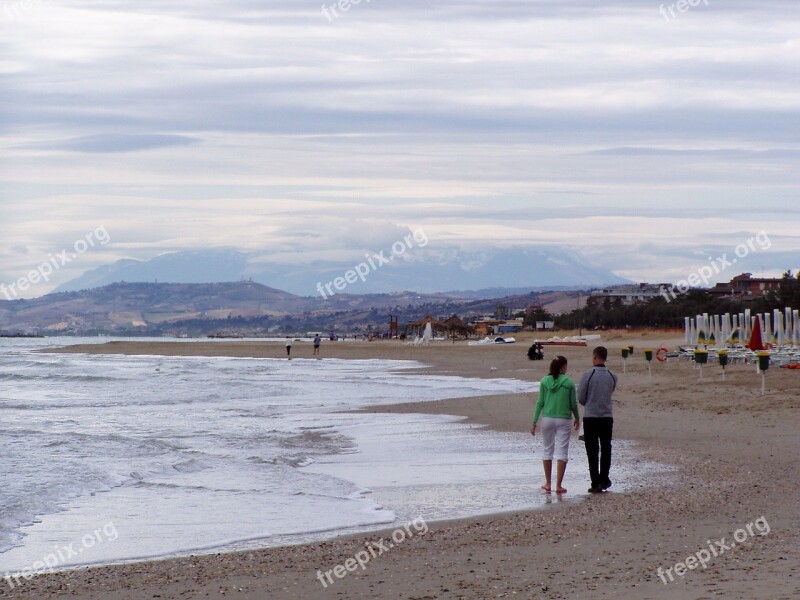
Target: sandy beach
point(736, 464)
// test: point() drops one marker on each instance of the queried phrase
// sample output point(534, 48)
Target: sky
point(647, 139)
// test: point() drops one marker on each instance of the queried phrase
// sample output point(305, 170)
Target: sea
point(110, 458)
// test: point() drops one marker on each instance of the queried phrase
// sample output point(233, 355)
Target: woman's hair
point(558, 363)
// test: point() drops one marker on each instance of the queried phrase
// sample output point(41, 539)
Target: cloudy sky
point(646, 141)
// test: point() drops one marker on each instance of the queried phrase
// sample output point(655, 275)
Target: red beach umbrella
point(756, 343)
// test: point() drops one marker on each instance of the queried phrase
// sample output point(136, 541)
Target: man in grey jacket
point(594, 394)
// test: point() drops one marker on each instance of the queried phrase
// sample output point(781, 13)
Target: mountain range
point(428, 271)
point(202, 291)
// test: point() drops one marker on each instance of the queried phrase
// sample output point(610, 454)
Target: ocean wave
point(259, 427)
point(56, 377)
point(190, 466)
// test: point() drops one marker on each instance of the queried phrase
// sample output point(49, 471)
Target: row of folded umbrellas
point(763, 330)
point(741, 355)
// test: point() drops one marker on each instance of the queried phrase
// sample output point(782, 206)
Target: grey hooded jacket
point(595, 390)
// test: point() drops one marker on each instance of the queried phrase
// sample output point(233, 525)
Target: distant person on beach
point(555, 405)
point(535, 352)
point(317, 342)
point(289, 347)
point(594, 393)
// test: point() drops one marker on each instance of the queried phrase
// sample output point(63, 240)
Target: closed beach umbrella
point(726, 327)
point(777, 327)
point(756, 343)
point(777, 332)
point(428, 335)
point(701, 330)
point(796, 326)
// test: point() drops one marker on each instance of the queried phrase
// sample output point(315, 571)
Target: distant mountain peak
point(432, 270)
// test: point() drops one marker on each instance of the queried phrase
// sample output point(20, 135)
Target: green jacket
point(557, 399)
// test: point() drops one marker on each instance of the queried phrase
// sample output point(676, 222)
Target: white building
point(629, 294)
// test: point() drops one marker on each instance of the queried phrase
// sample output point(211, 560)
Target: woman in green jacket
point(556, 404)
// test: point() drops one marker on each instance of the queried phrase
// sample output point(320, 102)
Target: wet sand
point(735, 455)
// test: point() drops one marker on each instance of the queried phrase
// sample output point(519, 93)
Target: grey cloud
point(496, 112)
point(734, 153)
point(115, 142)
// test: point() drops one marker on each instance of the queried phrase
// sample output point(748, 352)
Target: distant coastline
point(20, 335)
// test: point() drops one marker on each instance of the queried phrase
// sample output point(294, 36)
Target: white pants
point(556, 433)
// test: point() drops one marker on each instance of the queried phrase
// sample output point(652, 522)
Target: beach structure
point(648, 356)
point(427, 336)
point(700, 359)
point(763, 365)
point(722, 355)
point(423, 326)
point(492, 326)
point(456, 327)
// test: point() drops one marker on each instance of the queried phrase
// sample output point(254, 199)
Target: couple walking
point(557, 407)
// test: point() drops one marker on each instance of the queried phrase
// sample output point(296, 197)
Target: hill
point(244, 306)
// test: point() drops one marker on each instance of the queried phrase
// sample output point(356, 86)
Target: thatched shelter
point(417, 327)
point(457, 327)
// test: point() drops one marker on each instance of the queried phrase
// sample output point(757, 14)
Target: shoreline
point(613, 542)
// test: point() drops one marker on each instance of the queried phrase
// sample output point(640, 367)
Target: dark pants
point(597, 432)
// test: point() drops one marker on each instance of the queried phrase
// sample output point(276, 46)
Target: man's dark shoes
point(595, 489)
point(606, 485)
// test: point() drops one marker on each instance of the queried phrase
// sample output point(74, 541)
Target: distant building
point(512, 326)
point(487, 326)
point(628, 294)
point(745, 285)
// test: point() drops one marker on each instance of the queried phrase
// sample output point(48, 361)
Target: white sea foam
point(186, 454)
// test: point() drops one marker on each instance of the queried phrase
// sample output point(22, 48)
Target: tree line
point(658, 313)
